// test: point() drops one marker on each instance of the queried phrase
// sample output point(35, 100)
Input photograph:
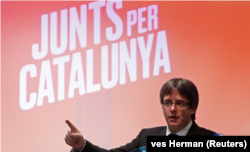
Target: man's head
point(179, 98)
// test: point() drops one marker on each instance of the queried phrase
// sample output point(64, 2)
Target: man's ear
point(162, 108)
point(194, 110)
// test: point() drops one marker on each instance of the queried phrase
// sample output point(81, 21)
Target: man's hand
point(74, 137)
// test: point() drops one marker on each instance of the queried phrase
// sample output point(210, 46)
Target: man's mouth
point(173, 118)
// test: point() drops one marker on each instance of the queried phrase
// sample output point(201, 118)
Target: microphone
point(141, 149)
point(218, 134)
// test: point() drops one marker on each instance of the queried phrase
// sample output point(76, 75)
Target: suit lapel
point(163, 131)
point(194, 130)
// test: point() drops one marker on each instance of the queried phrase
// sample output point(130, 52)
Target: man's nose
point(173, 107)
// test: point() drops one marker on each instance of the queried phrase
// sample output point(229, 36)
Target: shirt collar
point(182, 132)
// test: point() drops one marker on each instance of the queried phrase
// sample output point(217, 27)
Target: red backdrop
point(108, 85)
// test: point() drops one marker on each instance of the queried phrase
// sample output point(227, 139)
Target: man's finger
point(72, 127)
point(70, 137)
point(68, 142)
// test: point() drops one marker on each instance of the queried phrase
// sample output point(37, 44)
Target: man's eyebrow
point(167, 100)
point(180, 101)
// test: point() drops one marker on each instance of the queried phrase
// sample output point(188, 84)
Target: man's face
point(177, 117)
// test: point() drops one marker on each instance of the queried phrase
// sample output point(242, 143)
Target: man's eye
point(178, 103)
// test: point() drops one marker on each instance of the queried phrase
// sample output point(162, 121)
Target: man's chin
point(173, 123)
point(174, 126)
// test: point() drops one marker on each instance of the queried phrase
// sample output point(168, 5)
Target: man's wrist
point(81, 148)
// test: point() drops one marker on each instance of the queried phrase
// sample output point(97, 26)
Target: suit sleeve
point(134, 144)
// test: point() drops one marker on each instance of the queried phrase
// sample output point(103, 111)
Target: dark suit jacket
point(141, 139)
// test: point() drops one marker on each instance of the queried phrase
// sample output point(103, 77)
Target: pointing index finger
point(72, 127)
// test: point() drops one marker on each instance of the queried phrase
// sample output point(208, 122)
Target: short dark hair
point(185, 87)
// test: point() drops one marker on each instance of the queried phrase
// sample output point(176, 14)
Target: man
point(179, 99)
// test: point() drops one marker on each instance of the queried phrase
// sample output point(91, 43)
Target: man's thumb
point(76, 135)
